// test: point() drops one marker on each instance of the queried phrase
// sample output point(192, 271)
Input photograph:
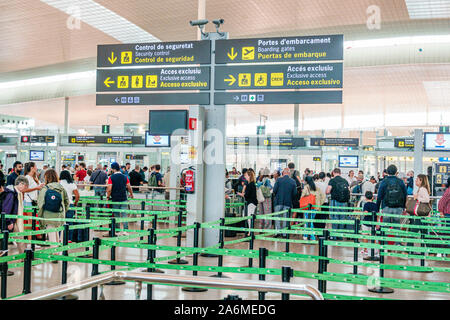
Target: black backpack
point(342, 192)
point(394, 197)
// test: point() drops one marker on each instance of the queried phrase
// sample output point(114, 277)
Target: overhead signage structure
point(278, 97)
point(146, 99)
point(402, 143)
point(434, 141)
point(156, 53)
point(105, 140)
point(280, 76)
point(334, 142)
point(37, 139)
point(153, 79)
point(442, 173)
point(289, 142)
point(305, 48)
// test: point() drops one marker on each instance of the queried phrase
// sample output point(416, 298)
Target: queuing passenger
point(328, 178)
point(2, 175)
point(156, 180)
point(410, 182)
point(317, 201)
point(53, 202)
point(295, 175)
point(72, 192)
point(265, 207)
point(136, 179)
point(285, 191)
point(42, 173)
point(444, 210)
point(351, 179)
point(242, 181)
point(116, 191)
point(369, 207)
point(338, 188)
point(369, 185)
point(392, 196)
point(17, 170)
point(322, 185)
point(249, 194)
point(81, 173)
point(145, 170)
point(98, 179)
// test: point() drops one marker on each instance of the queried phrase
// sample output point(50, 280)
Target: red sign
point(440, 140)
point(192, 124)
point(25, 139)
point(189, 181)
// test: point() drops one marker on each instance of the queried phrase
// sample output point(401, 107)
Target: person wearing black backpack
point(392, 195)
point(294, 174)
point(339, 190)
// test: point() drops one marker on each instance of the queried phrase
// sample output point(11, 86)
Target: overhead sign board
point(404, 143)
point(334, 142)
point(289, 142)
point(153, 79)
point(152, 99)
point(238, 141)
point(317, 159)
point(278, 97)
point(442, 173)
point(150, 54)
point(106, 140)
point(37, 139)
point(434, 141)
point(305, 48)
point(280, 76)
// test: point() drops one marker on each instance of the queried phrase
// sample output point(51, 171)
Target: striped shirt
point(444, 203)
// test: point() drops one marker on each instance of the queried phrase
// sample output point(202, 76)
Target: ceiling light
point(428, 9)
point(49, 79)
point(104, 20)
point(391, 42)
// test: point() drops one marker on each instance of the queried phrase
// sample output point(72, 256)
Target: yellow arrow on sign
point(232, 55)
point(112, 59)
point(231, 80)
point(108, 82)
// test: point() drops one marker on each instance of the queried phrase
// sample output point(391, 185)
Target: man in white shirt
point(369, 185)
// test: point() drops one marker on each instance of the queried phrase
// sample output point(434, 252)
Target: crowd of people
point(280, 191)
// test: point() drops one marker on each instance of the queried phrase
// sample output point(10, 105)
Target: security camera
point(198, 23)
point(218, 22)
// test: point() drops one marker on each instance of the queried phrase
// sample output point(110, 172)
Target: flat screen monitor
point(165, 122)
point(348, 161)
point(154, 141)
point(36, 155)
point(434, 141)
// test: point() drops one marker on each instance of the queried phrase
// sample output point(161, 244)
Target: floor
point(48, 275)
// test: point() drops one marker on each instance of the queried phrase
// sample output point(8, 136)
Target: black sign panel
point(153, 79)
point(278, 97)
point(134, 157)
point(442, 173)
point(37, 139)
point(157, 53)
point(309, 48)
point(106, 140)
point(404, 143)
point(288, 142)
point(238, 141)
point(152, 99)
point(281, 76)
point(334, 142)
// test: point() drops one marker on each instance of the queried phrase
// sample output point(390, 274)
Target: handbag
point(307, 200)
point(416, 208)
point(259, 195)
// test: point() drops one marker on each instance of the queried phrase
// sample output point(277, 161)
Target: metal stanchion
point(221, 245)
point(142, 219)
point(33, 228)
point(65, 265)
point(251, 241)
point(113, 255)
point(155, 226)
point(263, 252)
point(178, 260)
point(422, 245)
point(356, 249)
point(380, 289)
point(151, 259)
point(4, 265)
point(95, 254)
point(195, 261)
point(286, 274)
point(27, 271)
point(372, 256)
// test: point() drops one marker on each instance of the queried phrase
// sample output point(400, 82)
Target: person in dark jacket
point(17, 170)
point(285, 191)
point(249, 193)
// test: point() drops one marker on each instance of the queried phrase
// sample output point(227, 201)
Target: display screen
point(154, 141)
point(165, 122)
point(434, 141)
point(36, 155)
point(348, 161)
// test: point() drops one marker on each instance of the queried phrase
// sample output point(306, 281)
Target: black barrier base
point(69, 297)
point(10, 273)
point(208, 255)
point(187, 289)
point(181, 261)
point(115, 283)
point(221, 276)
point(424, 271)
point(381, 290)
point(356, 274)
point(370, 258)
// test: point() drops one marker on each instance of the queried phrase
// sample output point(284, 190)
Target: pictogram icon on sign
point(231, 80)
point(232, 54)
point(126, 57)
point(151, 81)
point(108, 82)
point(248, 53)
point(123, 82)
point(113, 58)
point(137, 82)
point(260, 79)
point(276, 79)
point(245, 79)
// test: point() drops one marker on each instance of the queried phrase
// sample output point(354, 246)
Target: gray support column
point(418, 152)
point(66, 116)
point(296, 121)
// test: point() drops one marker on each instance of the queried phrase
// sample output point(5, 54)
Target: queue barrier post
point(221, 245)
point(154, 227)
point(320, 264)
point(372, 256)
point(4, 265)
point(151, 259)
point(286, 274)
point(113, 255)
point(178, 260)
point(142, 219)
point(27, 271)
point(380, 289)
point(357, 225)
point(289, 228)
point(95, 255)
point(88, 217)
point(33, 228)
point(65, 264)
point(195, 260)
point(422, 261)
point(263, 253)
point(3, 222)
point(252, 239)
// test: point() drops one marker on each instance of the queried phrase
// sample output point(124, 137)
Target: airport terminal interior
point(225, 150)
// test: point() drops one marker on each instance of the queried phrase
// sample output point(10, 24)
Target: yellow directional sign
point(248, 53)
point(260, 79)
point(123, 82)
point(443, 169)
point(231, 80)
point(151, 81)
point(137, 82)
point(245, 79)
point(108, 82)
point(112, 59)
point(126, 57)
point(276, 79)
point(232, 55)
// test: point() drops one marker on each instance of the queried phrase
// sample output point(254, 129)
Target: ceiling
point(378, 82)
